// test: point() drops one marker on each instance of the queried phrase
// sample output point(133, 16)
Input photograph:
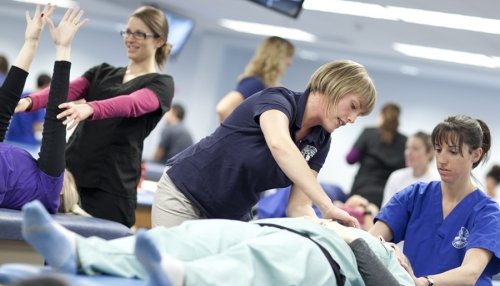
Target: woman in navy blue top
point(274, 139)
point(267, 66)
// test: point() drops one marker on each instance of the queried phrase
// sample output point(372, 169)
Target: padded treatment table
point(13, 248)
point(12, 272)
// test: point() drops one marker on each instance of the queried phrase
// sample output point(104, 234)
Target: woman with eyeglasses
point(119, 108)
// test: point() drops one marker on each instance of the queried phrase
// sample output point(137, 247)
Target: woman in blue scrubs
point(450, 227)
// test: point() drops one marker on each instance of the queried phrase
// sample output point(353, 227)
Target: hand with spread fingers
point(35, 24)
point(72, 21)
point(74, 112)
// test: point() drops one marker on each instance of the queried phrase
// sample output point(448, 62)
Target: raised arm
point(52, 159)
point(34, 27)
point(11, 90)
point(63, 34)
point(274, 125)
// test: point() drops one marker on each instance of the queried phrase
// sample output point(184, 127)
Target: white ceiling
point(335, 32)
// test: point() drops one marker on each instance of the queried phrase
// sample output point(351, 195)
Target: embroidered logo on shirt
point(308, 151)
point(460, 241)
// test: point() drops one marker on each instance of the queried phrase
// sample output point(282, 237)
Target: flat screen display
point(180, 28)
point(290, 8)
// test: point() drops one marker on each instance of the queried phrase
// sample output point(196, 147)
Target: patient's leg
point(56, 244)
point(160, 269)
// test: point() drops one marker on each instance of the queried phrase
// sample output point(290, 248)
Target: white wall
point(208, 66)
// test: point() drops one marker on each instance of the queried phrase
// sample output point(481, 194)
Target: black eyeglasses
point(137, 35)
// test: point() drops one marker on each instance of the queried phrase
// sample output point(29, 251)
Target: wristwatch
point(430, 281)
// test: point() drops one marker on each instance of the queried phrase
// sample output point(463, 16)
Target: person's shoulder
point(282, 91)
point(402, 172)
point(421, 189)
point(105, 65)
point(485, 202)
point(102, 68)
point(251, 80)
point(158, 77)
point(371, 131)
point(425, 189)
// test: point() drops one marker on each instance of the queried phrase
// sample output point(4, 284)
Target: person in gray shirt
point(175, 137)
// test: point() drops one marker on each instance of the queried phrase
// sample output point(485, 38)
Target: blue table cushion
point(10, 224)
point(16, 272)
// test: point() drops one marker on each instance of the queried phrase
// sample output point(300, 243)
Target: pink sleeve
point(78, 88)
point(135, 104)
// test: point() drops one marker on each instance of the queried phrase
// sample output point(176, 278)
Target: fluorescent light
point(452, 56)
point(409, 70)
point(408, 15)
point(268, 30)
point(308, 55)
point(350, 8)
point(496, 61)
point(58, 3)
point(447, 20)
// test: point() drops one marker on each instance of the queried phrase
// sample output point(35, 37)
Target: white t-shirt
point(402, 178)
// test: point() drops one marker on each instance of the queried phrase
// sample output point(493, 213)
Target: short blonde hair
point(270, 60)
point(70, 199)
point(338, 78)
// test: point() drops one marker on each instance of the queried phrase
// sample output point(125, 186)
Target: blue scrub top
point(250, 85)
point(434, 244)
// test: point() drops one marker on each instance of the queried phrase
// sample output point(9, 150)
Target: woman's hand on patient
point(341, 216)
point(344, 232)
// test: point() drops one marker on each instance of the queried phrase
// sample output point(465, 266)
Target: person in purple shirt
point(273, 139)
point(22, 178)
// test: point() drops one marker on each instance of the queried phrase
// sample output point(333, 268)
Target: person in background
point(380, 151)
point(450, 228)
point(273, 139)
point(419, 153)
point(267, 66)
point(175, 137)
point(492, 182)
point(123, 105)
point(26, 128)
point(22, 178)
point(4, 67)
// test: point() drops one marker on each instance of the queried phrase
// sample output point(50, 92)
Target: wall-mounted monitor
point(180, 28)
point(290, 8)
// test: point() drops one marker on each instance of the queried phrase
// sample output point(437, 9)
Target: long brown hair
point(390, 122)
